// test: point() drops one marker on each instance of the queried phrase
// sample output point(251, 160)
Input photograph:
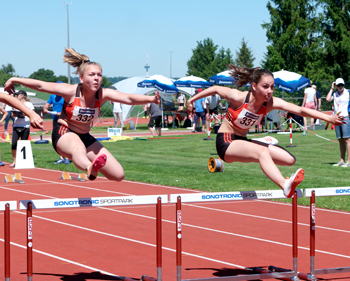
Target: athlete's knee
point(290, 160)
point(117, 176)
point(264, 151)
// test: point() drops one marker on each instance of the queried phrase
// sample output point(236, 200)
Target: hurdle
point(67, 176)
point(313, 193)
point(237, 196)
point(7, 206)
point(31, 205)
point(16, 178)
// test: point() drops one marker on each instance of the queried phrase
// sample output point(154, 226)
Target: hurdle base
point(207, 139)
point(77, 178)
point(291, 145)
point(301, 275)
point(332, 270)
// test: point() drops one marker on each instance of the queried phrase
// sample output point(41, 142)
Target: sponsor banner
point(93, 202)
point(13, 205)
point(111, 132)
point(328, 191)
point(231, 196)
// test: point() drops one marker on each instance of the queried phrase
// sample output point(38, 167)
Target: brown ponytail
point(245, 75)
point(77, 60)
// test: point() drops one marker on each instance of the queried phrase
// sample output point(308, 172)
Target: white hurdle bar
point(235, 196)
point(92, 202)
point(321, 192)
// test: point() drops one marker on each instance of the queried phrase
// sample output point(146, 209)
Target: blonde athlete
point(71, 136)
point(245, 110)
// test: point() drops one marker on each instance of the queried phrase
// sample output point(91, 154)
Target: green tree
point(8, 69)
point(62, 78)
point(6, 72)
point(290, 33)
point(222, 59)
point(336, 34)
point(105, 82)
point(44, 75)
point(201, 62)
point(116, 79)
point(206, 61)
point(244, 56)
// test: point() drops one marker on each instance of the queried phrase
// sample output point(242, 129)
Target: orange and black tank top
point(76, 113)
point(242, 118)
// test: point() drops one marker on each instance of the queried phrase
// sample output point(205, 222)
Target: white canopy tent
point(129, 86)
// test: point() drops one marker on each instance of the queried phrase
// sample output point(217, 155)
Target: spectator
point(341, 107)
point(5, 114)
point(309, 102)
point(199, 106)
point(57, 104)
point(117, 112)
point(318, 102)
point(212, 103)
point(8, 109)
point(155, 113)
point(181, 100)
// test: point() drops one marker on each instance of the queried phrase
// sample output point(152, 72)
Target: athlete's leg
point(112, 170)
point(342, 147)
point(70, 146)
point(246, 152)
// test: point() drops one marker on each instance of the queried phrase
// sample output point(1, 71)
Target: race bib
point(246, 119)
point(85, 115)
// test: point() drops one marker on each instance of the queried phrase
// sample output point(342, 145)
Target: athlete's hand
point(9, 86)
point(36, 121)
point(189, 109)
point(338, 120)
point(157, 98)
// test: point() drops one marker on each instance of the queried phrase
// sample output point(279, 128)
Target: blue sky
point(118, 34)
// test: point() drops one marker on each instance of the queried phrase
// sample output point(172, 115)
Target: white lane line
point(63, 259)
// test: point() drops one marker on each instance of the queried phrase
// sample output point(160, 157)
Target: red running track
point(219, 239)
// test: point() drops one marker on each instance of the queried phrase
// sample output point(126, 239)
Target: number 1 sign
point(24, 155)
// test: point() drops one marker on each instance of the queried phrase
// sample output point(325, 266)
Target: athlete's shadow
point(83, 276)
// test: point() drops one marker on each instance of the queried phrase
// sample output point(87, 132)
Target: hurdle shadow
point(82, 276)
point(224, 272)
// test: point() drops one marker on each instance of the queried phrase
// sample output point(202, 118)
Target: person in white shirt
point(117, 112)
point(8, 109)
point(212, 103)
point(309, 102)
point(341, 107)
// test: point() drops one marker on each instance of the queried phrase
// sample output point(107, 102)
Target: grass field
point(183, 162)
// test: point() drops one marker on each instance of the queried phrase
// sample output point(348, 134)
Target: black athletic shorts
point(155, 121)
point(213, 110)
point(59, 130)
point(223, 140)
